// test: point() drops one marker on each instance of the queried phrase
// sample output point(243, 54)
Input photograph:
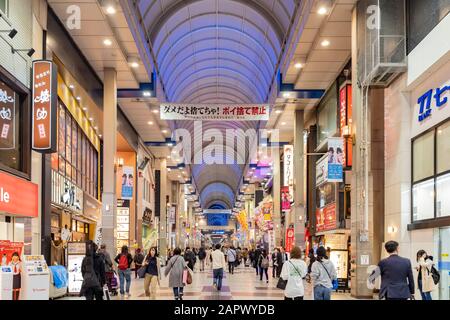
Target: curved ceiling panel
point(217, 51)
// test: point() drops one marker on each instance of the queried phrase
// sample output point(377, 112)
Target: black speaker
point(157, 193)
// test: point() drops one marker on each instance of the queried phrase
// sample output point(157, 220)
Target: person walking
point(208, 257)
point(397, 281)
point(176, 267)
point(124, 261)
point(274, 262)
point(189, 257)
point(263, 264)
point(232, 256)
point(256, 256)
point(138, 260)
point(152, 273)
point(106, 257)
point(202, 257)
point(218, 265)
point(282, 258)
point(323, 273)
point(425, 280)
point(93, 272)
point(294, 270)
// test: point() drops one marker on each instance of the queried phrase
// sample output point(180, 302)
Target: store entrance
point(444, 263)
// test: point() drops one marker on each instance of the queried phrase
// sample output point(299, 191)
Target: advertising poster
point(326, 218)
point(289, 239)
point(340, 260)
point(7, 248)
point(7, 117)
point(345, 119)
point(127, 183)
point(75, 253)
point(322, 170)
point(335, 159)
point(285, 198)
point(288, 169)
point(267, 211)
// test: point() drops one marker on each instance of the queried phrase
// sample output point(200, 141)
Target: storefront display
point(123, 225)
point(76, 252)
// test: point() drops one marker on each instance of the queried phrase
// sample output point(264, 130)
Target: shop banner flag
point(286, 199)
point(288, 169)
point(127, 183)
point(290, 240)
point(218, 112)
point(335, 159)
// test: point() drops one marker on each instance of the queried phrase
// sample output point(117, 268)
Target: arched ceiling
point(217, 51)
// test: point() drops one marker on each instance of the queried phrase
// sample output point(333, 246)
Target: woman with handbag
point(323, 274)
point(292, 274)
point(425, 280)
point(176, 268)
point(151, 273)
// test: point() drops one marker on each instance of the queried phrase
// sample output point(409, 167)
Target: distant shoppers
point(208, 256)
point(294, 271)
point(189, 257)
point(232, 257)
point(245, 257)
point(397, 281)
point(202, 257)
point(176, 267)
point(323, 273)
point(263, 264)
point(256, 259)
point(218, 265)
point(106, 257)
point(93, 272)
point(138, 260)
point(282, 257)
point(152, 273)
point(425, 280)
point(124, 261)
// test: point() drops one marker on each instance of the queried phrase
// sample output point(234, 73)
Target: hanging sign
point(221, 112)
point(335, 159)
point(290, 240)
point(44, 103)
point(345, 120)
point(322, 170)
point(286, 199)
point(7, 117)
point(326, 218)
point(127, 183)
point(288, 169)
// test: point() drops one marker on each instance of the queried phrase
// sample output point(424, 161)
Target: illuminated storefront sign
point(288, 169)
point(326, 218)
point(233, 112)
point(345, 120)
point(44, 106)
point(18, 196)
point(7, 117)
point(426, 99)
point(335, 159)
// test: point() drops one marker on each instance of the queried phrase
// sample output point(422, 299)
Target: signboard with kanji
point(232, 112)
point(44, 106)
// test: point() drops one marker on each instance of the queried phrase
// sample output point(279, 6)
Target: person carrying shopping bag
point(175, 267)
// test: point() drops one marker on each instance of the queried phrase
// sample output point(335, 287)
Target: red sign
point(44, 106)
point(285, 198)
point(7, 117)
point(326, 218)
point(7, 248)
point(290, 240)
point(18, 196)
point(345, 119)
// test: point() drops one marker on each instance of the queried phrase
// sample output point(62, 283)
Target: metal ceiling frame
point(226, 86)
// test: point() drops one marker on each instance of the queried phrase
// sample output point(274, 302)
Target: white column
point(299, 176)
point(163, 206)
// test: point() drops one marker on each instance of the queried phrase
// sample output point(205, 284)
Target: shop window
point(443, 148)
point(442, 195)
point(423, 157)
point(327, 116)
point(54, 221)
point(423, 200)
point(4, 6)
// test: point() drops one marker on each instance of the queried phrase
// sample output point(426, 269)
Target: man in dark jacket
point(93, 272)
point(258, 252)
point(397, 281)
point(189, 257)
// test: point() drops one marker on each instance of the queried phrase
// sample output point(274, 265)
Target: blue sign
point(335, 172)
point(425, 100)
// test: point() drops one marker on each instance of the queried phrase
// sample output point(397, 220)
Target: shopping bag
point(141, 271)
point(106, 295)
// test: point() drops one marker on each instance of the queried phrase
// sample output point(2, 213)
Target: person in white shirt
point(218, 266)
point(294, 271)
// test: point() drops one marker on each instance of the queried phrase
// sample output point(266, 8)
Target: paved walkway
point(243, 284)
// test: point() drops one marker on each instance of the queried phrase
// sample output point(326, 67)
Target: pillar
point(278, 229)
point(163, 213)
point(299, 210)
point(109, 197)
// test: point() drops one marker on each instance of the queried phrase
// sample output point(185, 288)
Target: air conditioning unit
point(381, 29)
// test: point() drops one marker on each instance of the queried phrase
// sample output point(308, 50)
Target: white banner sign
point(222, 112)
point(288, 169)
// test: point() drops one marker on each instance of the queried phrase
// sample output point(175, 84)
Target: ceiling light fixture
point(298, 65)
point(164, 131)
point(286, 95)
point(84, 108)
point(110, 10)
point(78, 98)
point(322, 10)
point(283, 123)
point(170, 144)
point(325, 43)
point(150, 123)
point(134, 65)
point(279, 111)
point(71, 86)
point(155, 110)
point(107, 42)
point(147, 93)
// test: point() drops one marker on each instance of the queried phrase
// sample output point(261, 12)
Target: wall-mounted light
point(11, 32)
point(30, 51)
point(120, 162)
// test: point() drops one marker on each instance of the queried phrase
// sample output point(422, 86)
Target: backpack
point(435, 274)
point(123, 262)
point(265, 262)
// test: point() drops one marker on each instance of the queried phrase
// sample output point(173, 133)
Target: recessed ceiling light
point(286, 95)
point(322, 10)
point(164, 131)
point(90, 119)
point(155, 110)
point(325, 43)
point(269, 131)
point(283, 123)
point(110, 10)
point(84, 108)
point(96, 128)
point(150, 122)
point(71, 86)
point(279, 111)
point(134, 65)
point(100, 135)
point(107, 42)
point(168, 157)
point(78, 98)
point(170, 144)
point(168, 169)
point(147, 94)
point(298, 65)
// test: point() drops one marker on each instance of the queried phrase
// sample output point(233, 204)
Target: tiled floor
point(243, 284)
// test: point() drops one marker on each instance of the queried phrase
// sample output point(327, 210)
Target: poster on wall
point(7, 248)
point(7, 117)
point(127, 183)
point(66, 194)
point(335, 159)
point(326, 218)
point(44, 84)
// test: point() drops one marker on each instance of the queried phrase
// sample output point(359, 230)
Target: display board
point(217, 219)
point(340, 261)
point(76, 252)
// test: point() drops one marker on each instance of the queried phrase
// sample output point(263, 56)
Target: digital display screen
point(217, 219)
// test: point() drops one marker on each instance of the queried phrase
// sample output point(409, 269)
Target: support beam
point(299, 211)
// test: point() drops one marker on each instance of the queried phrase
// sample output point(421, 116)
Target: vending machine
point(6, 282)
point(35, 278)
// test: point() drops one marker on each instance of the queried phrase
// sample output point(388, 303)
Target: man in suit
point(397, 281)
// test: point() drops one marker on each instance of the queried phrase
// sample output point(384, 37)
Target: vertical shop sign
point(44, 106)
point(289, 239)
point(286, 199)
point(335, 159)
point(345, 119)
point(127, 183)
point(7, 117)
point(289, 169)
